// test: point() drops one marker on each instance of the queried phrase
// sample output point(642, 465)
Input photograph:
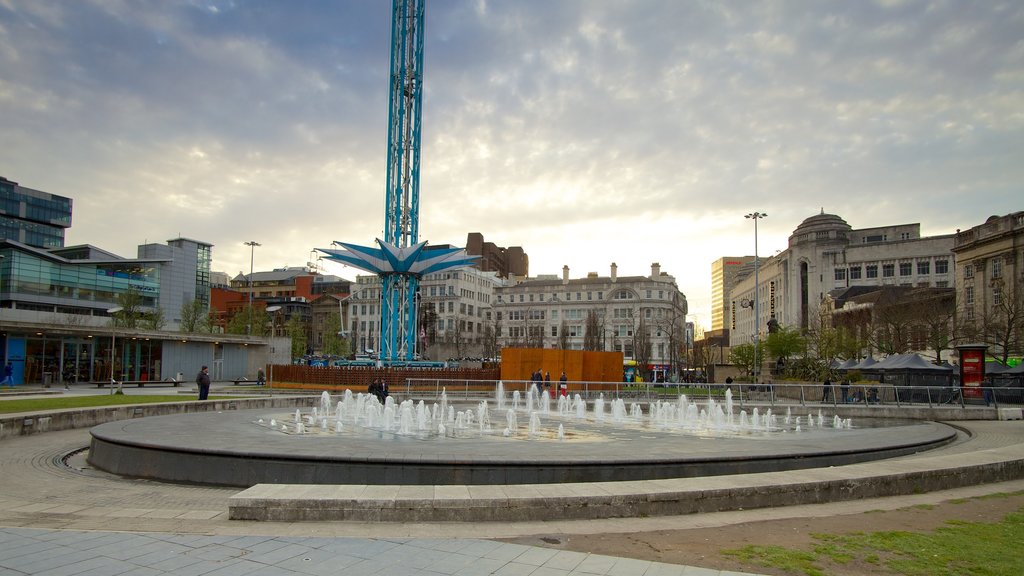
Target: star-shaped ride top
point(416, 260)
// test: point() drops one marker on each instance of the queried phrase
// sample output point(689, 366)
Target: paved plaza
point(68, 519)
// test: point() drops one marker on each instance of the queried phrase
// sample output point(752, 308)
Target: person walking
point(8, 375)
point(826, 390)
point(203, 380)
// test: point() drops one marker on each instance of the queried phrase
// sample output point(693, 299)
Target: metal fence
point(785, 394)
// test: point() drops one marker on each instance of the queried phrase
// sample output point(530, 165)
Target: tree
point(194, 316)
point(334, 343)
point(642, 343)
point(296, 330)
point(743, 356)
point(591, 332)
point(239, 323)
point(785, 343)
point(1001, 326)
point(130, 314)
point(153, 320)
point(563, 335)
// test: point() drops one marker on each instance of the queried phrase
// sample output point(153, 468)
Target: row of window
point(924, 268)
point(568, 296)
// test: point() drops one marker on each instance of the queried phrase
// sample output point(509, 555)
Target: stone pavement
point(68, 519)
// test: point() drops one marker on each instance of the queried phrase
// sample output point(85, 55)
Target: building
point(55, 321)
point(329, 320)
point(506, 262)
point(884, 320)
point(184, 275)
point(455, 312)
point(825, 254)
point(33, 217)
point(644, 317)
point(990, 272)
point(725, 272)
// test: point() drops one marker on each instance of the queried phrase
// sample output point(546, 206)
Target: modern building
point(990, 273)
point(506, 262)
point(644, 317)
point(825, 254)
point(33, 217)
point(55, 321)
point(56, 303)
point(725, 272)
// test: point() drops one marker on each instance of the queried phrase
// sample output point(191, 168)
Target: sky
point(586, 131)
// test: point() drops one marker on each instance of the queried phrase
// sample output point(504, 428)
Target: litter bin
point(47, 378)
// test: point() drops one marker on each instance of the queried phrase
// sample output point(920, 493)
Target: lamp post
point(113, 341)
point(755, 216)
point(273, 333)
point(252, 244)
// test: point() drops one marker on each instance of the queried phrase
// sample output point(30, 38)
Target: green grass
point(66, 402)
point(976, 548)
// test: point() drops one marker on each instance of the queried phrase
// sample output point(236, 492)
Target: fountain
point(392, 442)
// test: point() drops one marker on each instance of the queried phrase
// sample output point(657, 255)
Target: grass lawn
point(981, 548)
point(60, 403)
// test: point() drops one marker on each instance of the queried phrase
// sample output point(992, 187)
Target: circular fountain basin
point(241, 448)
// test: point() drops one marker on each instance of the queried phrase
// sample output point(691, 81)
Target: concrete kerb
point(642, 499)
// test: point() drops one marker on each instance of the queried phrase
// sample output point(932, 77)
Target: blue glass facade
point(33, 277)
point(33, 217)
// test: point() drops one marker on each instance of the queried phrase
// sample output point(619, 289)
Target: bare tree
point(563, 335)
point(1001, 326)
point(592, 332)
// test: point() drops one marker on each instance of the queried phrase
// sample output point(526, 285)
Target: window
point(906, 269)
point(942, 284)
point(997, 295)
point(969, 294)
point(871, 271)
point(531, 297)
point(888, 270)
point(924, 268)
point(997, 267)
point(968, 271)
point(942, 266)
point(554, 331)
point(840, 273)
point(648, 296)
point(855, 273)
point(590, 295)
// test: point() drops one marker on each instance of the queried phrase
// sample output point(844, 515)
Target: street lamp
point(113, 340)
point(273, 332)
point(755, 216)
point(252, 244)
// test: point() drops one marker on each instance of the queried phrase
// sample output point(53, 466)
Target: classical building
point(33, 217)
point(644, 317)
point(990, 272)
point(824, 254)
point(455, 309)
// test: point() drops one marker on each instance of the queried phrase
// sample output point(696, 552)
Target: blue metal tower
point(401, 258)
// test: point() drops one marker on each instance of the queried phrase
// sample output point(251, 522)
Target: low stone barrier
point(594, 500)
point(35, 423)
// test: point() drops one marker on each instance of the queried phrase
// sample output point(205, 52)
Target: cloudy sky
point(587, 132)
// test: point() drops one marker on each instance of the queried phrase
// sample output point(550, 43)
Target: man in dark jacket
point(203, 380)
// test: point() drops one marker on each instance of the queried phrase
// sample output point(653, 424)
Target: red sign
point(972, 371)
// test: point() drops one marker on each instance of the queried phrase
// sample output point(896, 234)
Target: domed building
point(825, 253)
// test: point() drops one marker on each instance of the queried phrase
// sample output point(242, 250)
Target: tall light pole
point(755, 216)
point(113, 340)
point(252, 244)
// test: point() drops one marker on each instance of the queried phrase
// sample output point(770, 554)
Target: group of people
point(871, 397)
point(542, 380)
point(379, 388)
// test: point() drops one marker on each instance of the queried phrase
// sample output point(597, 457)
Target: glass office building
point(33, 217)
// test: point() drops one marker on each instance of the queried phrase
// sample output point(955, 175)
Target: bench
point(247, 381)
point(140, 383)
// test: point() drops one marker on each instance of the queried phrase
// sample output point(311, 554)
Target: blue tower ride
point(400, 258)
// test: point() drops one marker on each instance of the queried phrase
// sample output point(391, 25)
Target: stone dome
point(821, 228)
